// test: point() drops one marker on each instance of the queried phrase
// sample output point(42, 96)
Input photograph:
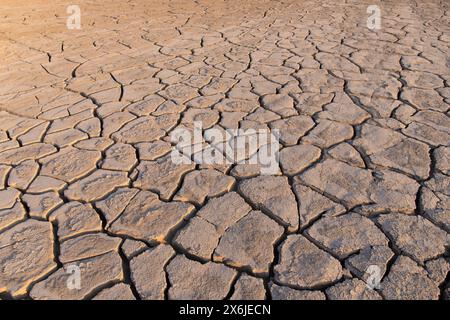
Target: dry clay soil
point(88, 188)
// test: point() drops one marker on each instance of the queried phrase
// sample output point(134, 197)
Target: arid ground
point(92, 205)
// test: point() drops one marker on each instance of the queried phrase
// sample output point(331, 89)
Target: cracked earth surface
point(86, 180)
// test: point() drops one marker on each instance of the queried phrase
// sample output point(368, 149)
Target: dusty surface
point(86, 180)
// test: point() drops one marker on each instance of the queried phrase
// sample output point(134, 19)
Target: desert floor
point(93, 206)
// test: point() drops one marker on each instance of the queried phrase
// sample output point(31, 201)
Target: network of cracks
point(87, 180)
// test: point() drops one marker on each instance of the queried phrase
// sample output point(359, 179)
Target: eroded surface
point(86, 179)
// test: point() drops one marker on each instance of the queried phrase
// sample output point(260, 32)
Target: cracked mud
point(86, 179)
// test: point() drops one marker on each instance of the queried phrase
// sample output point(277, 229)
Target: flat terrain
point(93, 207)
